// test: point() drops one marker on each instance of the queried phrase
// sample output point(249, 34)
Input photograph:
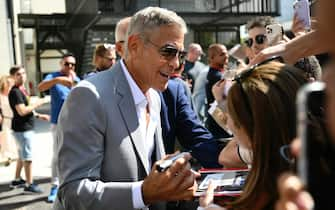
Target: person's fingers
point(218, 90)
point(296, 147)
point(299, 28)
point(169, 175)
point(295, 17)
point(170, 172)
point(288, 205)
point(187, 194)
point(185, 181)
point(182, 174)
point(208, 197)
point(305, 201)
point(292, 194)
point(314, 23)
point(169, 155)
point(289, 186)
point(180, 163)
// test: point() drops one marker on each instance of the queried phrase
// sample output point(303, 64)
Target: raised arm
point(47, 84)
point(299, 47)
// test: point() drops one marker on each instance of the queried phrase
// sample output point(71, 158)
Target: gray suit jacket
point(101, 148)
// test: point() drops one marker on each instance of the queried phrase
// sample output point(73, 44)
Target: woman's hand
point(206, 199)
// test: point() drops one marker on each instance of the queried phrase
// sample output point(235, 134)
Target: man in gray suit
point(109, 126)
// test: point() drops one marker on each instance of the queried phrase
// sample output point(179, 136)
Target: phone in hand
point(301, 10)
point(317, 156)
point(274, 33)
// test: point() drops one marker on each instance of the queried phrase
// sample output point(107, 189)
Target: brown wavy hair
point(263, 103)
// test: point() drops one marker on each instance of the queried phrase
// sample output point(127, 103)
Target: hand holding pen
point(165, 164)
point(170, 179)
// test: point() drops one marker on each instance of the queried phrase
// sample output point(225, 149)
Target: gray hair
point(121, 29)
point(150, 18)
point(195, 47)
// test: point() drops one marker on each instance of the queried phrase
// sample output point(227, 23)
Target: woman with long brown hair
point(261, 115)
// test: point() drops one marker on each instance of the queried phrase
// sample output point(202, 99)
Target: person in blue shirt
point(59, 84)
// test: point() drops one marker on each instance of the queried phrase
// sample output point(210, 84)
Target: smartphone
point(274, 33)
point(229, 182)
point(301, 10)
point(317, 160)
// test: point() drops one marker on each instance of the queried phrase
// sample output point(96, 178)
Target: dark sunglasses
point(169, 52)
point(259, 39)
point(68, 64)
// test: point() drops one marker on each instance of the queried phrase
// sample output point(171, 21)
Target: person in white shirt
point(108, 151)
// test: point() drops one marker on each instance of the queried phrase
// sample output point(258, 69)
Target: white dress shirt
point(141, 102)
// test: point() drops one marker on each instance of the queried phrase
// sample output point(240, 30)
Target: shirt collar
point(137, 94)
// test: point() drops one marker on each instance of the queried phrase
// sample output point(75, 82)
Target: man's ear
point(118, 48)
point(134, 45)
point(96, 59)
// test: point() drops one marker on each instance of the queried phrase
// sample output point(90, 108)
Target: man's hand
point(44, 117)
point(298, 26)
point(66, 81)
point(218, 91)
point(176, 183)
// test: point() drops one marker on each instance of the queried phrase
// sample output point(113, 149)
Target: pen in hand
point(165, 164)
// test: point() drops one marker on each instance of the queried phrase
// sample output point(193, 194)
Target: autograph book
point(229, 182)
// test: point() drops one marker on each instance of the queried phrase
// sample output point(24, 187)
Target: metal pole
point(10, 18)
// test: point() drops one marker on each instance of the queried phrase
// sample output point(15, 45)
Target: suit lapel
point(128, 111)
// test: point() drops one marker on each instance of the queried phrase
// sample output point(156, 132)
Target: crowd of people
point(135, 112)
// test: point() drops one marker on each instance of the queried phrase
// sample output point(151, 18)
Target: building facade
point(84, 23)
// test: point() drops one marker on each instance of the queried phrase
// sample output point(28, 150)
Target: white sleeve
point(138, 202)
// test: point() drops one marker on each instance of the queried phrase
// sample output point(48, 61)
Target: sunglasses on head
point(68, 64)
point(108, 46)
point(240, 78)
point(244, 74)
point(169, 52)
point(259, 39)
